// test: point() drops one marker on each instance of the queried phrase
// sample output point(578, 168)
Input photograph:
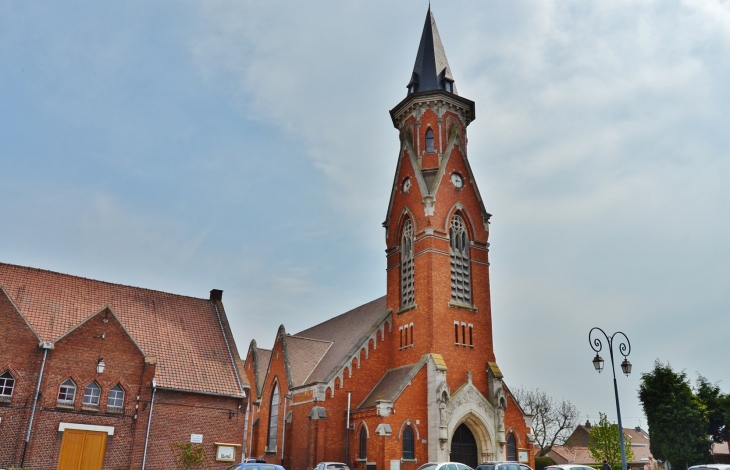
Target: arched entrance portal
point(464, 447)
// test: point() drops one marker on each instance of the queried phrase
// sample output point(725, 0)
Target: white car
point(570, 466)
point(444, 466)
point(503, 466)
point(331, 466)
point(711, 466)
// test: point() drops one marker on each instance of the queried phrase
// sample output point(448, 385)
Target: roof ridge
point(30, 268)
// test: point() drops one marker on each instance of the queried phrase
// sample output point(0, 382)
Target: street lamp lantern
point(626, 367)
point(598, 363)
point(624, 347)
point(100, 366)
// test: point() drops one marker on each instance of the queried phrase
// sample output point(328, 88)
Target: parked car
point(257, 465)
point(503, 466)
point(711, 466)
point(331, 466)
point(444, 466)
point(568, 466)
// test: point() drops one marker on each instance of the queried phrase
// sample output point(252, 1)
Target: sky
point(246, 146)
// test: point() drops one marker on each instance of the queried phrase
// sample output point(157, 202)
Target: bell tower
point(437, 228)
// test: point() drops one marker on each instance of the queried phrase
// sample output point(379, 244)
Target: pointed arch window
point(92, 393)
point(363, 444)
point(408, 447)
point(273, 419)
point(460, 267)
point(7, 385)
point(429, 141)
point(511, 448)
point(406, 265)
point(67, 393)
point(116, 397)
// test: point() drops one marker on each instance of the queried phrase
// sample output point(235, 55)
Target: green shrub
point(542, 462)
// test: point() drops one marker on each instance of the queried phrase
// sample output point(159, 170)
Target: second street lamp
point(624, 347)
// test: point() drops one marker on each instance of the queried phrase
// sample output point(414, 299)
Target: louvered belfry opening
point(460, 269)
point(406, 267)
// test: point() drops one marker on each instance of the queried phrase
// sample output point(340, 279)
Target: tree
point(718, 409)
point(676, 418)
point(604, 444)
point(553, 421)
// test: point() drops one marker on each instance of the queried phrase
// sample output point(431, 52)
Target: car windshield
point(428, 466)
point(233, 467)
point(486, 467)
point(508, 466)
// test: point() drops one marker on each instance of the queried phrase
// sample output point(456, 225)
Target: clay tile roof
point(304, 355)
point(390, 386)
point(346, 332)
point(183, 333)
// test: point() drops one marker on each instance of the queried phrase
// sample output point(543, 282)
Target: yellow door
point(82, 450)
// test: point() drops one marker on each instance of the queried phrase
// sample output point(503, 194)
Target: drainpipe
point(149, 423)
point(46, 347)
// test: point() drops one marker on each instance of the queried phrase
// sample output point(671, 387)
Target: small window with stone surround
point(67, 393)
point(408, 444)
point(92, 394)
point(430, 141)
point(7, 385)
point(115, 401)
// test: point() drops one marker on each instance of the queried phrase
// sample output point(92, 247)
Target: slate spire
point(431, 71)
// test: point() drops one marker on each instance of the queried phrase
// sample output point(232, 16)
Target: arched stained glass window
point(406, 265)
point(408, 452)
point(273, 418)
point(363, 443)
point(511, 448)
point(460, 268)
point(67, 393)
point(7, 384)
point(92, 392)
point(429, 141)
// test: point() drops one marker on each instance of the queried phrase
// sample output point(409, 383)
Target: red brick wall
point(20, 355)
point(410, 406)
point(177, 415)
point(514, 421)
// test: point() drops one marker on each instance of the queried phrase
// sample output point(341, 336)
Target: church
point(410, 377)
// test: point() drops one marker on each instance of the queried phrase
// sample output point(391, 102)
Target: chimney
point(216, 295)
point(588, 422)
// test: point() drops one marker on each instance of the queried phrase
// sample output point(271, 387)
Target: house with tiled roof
point(412, 376)
point(114, 375)
point(575, 450)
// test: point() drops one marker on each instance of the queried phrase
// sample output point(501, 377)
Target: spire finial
point(431, 70)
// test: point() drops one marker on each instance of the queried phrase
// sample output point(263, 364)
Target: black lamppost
point(625, 349)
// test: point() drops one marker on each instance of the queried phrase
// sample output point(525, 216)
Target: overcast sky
point(246, 146)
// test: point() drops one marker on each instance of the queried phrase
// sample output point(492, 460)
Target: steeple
point(431, 71)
